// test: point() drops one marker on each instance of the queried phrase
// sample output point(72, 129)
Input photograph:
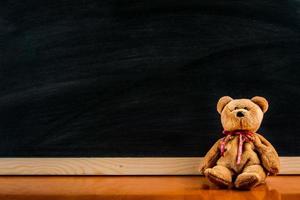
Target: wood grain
point(140, 187)
point(116, 166)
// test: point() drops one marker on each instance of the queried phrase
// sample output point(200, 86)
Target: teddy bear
point(243, 158)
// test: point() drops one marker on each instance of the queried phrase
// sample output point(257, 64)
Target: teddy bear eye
point(246, 108)
point(235, 108)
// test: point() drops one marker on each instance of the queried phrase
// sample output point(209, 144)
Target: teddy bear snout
point(240, 114)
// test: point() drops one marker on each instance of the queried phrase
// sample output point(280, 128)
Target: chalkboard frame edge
point(117, 166)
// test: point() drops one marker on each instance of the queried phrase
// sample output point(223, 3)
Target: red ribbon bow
point(244, 136)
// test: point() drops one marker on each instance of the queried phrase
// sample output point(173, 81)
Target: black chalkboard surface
point(142, 78)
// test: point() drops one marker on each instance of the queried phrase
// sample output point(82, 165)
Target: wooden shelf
point(118, 166)
point(140, 187)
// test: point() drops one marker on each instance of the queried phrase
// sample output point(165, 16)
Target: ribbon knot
point(244, 136)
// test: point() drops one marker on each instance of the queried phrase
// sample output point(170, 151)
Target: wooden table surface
point(140, 187)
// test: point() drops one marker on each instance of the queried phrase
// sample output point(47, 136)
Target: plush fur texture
point(259, 158)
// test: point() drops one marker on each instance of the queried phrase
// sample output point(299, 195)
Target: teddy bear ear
point(261, 102)
point(223, 101)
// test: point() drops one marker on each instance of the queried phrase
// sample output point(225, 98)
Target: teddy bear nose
point(240, 114)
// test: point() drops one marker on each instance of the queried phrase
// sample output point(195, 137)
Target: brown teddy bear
point(243, 158)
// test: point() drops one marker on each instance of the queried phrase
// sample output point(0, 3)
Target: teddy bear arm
point(211, 157)
point(268, 155)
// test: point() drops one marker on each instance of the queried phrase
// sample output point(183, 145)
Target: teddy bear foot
point(217, 178)
point(246, 181)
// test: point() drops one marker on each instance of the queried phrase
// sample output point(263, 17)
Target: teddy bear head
point(242, 114)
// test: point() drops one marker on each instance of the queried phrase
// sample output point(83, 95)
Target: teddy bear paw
point(246, 181)
point(217, 178)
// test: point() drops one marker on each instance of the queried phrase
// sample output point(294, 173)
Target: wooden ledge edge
point(117, 166)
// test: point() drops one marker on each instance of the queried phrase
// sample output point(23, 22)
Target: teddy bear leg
point(219, 175)
point(252, 175)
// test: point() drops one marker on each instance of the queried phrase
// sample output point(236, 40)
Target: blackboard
point(142, 78)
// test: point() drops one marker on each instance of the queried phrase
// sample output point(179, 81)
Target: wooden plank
point(116, 166)
point(133, 187)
